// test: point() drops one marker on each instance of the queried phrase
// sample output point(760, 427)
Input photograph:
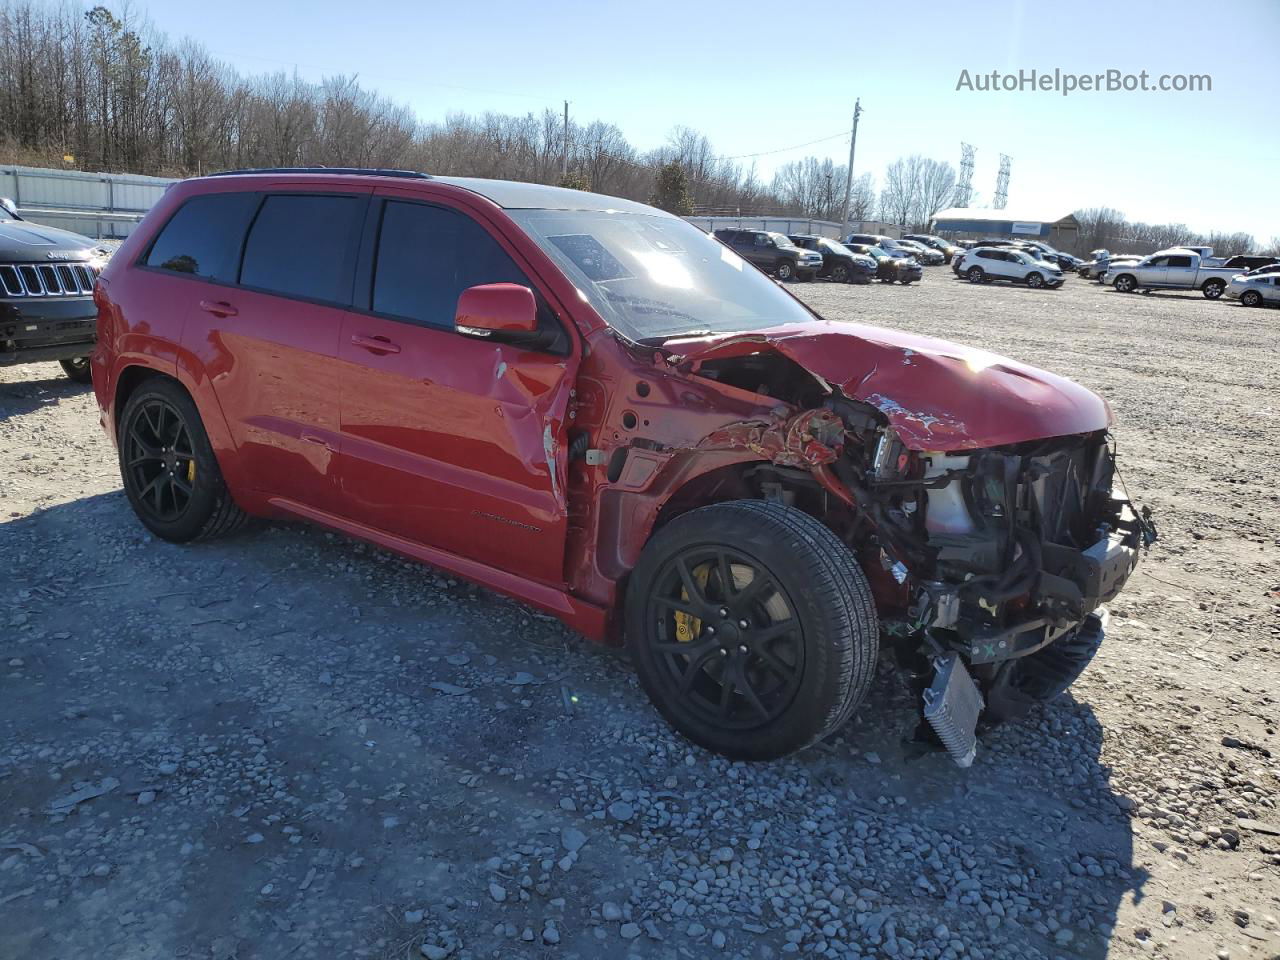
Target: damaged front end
point(1004, 557)
point(979, 494)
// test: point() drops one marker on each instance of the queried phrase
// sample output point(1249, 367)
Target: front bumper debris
point(952, 705)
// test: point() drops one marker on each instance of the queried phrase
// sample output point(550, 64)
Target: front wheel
point(168, 468)
point(1125, 283)
point(752, 628)
point(975, 274)
point(840, 273)
point(1212, 289)
point(784, 270)
point(1035, 280)
point(77, 369)
point(1251, 298)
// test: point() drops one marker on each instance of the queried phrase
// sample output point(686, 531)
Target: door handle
point(374, 344)
point(219, 308)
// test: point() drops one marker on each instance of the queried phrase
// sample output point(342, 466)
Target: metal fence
point(100, 205)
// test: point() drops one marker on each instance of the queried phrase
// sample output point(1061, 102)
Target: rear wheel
point(1212, 289)
point(1251, 298)
point(975, 274)
point(77, 369)
point(783, 270)
point(169, 471)
point(752, 628)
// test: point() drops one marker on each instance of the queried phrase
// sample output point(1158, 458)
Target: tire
point(77, 369)
point(1044, 675)
point(784, 270)
point(820, 668)
point(975, 275)
point(1125, 283)
point(170, 474)
point(840, 273)
point(1035, 280)
point(1251, 298)
point(1212, 289)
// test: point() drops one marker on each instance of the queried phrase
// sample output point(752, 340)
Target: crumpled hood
point(937, 395)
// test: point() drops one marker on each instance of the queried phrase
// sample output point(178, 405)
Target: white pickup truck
point(1178, 268)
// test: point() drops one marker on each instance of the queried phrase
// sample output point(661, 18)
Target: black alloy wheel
point(168, 468)
point(161, 463)
point(751, 627)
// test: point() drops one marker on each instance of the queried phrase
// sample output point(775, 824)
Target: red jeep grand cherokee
point(592, 406)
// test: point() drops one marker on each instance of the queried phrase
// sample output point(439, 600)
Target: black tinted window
point(203, 238)
point(1179, 261)
point(427, 256)
point(303, 246)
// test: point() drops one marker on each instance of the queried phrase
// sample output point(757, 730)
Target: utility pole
point(564, 156)
point(848, 180)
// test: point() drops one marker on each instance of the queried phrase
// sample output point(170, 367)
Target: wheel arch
point(134, 373)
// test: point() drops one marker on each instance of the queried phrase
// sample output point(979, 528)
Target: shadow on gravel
point(319, 748)
point(23, 396)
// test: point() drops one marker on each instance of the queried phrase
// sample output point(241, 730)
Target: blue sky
point(755, 80)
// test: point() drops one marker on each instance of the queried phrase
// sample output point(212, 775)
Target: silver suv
point(984, 264)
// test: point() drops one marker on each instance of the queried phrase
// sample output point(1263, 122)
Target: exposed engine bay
point(980, 558)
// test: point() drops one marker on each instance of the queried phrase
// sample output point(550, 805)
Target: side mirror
point(10, 207)
point(496, 308)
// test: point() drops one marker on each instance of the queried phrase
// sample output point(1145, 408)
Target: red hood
point(936, 395)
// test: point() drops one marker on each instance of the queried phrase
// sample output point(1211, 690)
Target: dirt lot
point(288, 744)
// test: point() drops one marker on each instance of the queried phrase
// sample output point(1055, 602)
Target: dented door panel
point(457, 443)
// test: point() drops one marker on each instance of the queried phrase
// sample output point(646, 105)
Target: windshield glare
point(782, 240)
point(833, 247)
point(655, 277)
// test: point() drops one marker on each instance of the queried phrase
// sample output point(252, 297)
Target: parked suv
point(839, 263)
point(773, 253)
point(46, 294)
point(948, 250)
point(905, 270)
point(591, 405)
point(984, 264)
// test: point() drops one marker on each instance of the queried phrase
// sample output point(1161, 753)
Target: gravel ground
point(289, 744)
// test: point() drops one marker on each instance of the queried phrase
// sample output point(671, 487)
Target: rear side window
point(303, 246)
point(1179, 261)
point(427, 256)
point(203, 238)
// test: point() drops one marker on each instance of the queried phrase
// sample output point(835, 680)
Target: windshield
point(653, 277)
point(877, 251)
point(782, 240)
point(832, 247)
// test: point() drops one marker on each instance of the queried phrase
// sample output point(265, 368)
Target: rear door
point(450, 441)
point(1181, 271)
point(270, 344)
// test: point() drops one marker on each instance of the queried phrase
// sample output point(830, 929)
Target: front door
point(1151, 273)
point(450, 441)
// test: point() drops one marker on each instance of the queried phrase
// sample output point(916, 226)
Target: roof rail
point(345, 171)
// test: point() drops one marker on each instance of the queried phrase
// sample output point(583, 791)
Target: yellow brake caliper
point(687, 625)
point(191, 471)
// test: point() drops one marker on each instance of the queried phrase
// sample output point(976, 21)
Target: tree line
point(100, 90)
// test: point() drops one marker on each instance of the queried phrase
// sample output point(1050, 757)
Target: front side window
point(302, 245)
point(203, 238)
point(428, 255)
point(674, 279)
point(1159, 262)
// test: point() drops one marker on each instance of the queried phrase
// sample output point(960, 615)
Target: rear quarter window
point(203, 238)
point(302, 245)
